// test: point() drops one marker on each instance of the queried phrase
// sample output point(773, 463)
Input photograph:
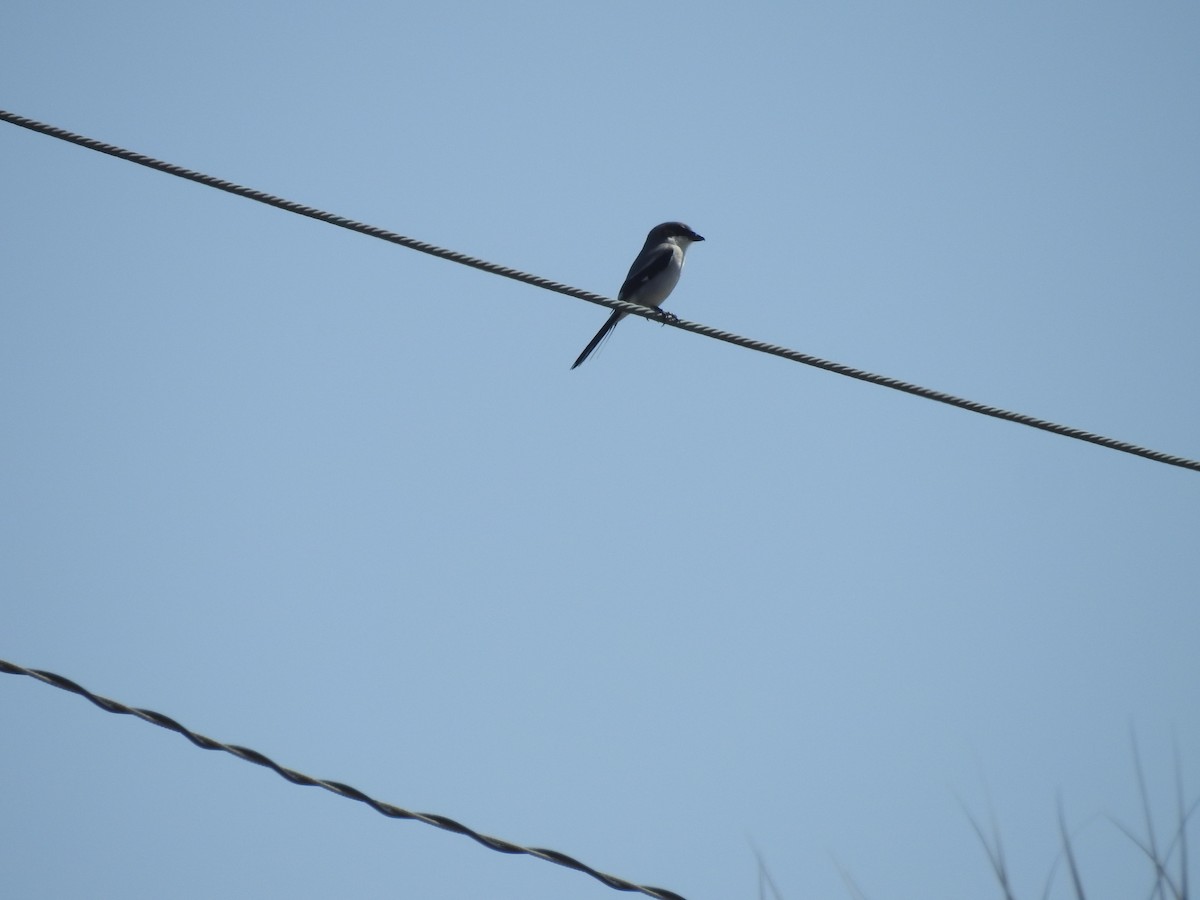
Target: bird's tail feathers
point(605, 331)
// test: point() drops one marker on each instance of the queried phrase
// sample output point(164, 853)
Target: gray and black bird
point(652, 276)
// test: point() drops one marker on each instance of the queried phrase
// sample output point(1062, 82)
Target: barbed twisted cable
point(646, 313)
point(336, 787)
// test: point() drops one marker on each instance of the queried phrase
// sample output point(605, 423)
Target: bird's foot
point(667, 317)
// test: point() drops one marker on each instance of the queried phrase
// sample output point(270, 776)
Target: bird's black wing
point(643, 271)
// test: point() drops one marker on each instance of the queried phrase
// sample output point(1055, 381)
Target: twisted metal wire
point(336, 787)
point(646, 313)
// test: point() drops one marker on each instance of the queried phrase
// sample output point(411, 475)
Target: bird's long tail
point(608, 326)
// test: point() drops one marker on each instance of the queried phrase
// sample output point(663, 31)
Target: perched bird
point(652, 276)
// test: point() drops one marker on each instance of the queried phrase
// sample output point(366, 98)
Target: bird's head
point(673, 231)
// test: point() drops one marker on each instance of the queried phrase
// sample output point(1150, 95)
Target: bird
point(652, 276)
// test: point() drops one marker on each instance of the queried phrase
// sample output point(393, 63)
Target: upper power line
point(645, 312)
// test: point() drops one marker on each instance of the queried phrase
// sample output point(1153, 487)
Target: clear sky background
point(345, 504)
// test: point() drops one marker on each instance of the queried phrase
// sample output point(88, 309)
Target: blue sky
point(345, 504)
